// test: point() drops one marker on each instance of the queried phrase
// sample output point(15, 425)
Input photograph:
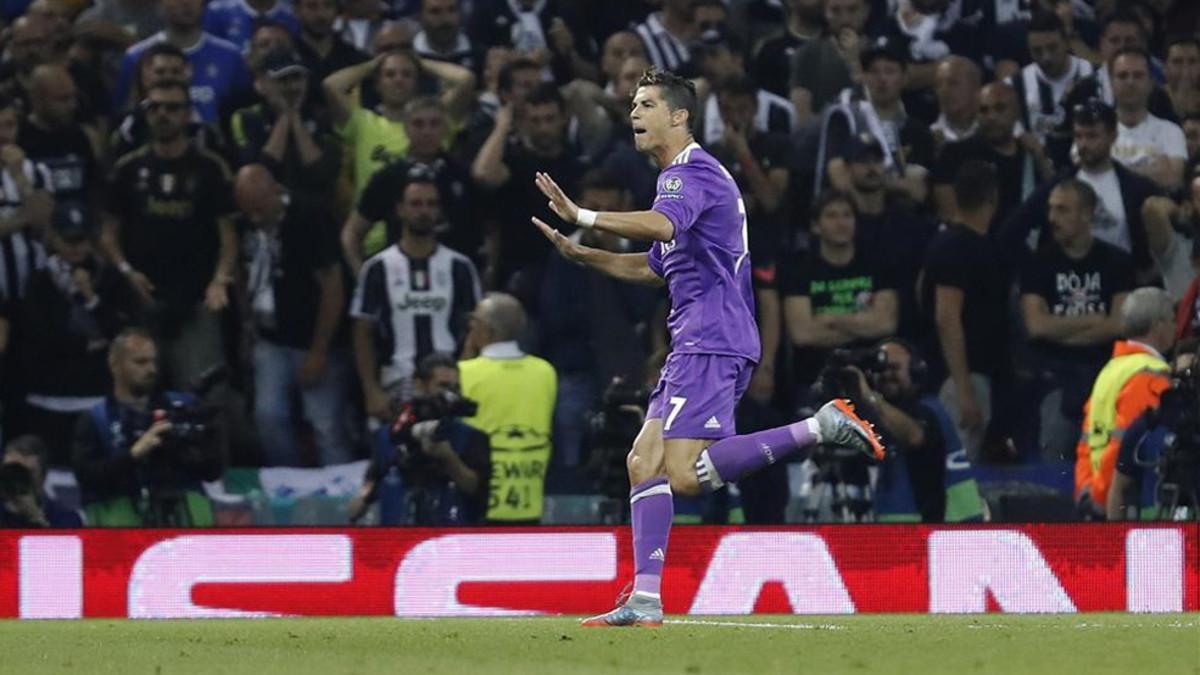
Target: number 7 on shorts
point(676, 405)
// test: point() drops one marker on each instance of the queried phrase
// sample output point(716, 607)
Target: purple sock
point(652, 508)
point(730, 459)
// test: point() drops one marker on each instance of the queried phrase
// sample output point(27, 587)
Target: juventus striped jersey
point(419, 305)
point(20, 254)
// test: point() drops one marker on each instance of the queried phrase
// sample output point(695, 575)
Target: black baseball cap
point(864, 147)
point(883, 48)
point(1094, 111)
point(281, 63)
point(71, 222)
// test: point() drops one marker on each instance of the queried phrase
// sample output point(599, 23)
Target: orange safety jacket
point(1130, 383)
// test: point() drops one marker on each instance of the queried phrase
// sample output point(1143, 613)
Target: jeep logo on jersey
point(673, 184)
point(426, 302)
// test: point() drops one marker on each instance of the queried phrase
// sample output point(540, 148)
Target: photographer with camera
point(1158, 465)
point(31, 453)
point(430, 468)
point(915, 426)
point(19, 506)
point(141, 454)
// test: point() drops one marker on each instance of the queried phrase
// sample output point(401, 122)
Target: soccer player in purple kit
point(688, 443)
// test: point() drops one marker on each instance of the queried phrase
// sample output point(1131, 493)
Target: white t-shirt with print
point(1153, 136)
point(1110, 223)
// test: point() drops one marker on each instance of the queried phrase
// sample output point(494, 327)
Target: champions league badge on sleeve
point(671, 188)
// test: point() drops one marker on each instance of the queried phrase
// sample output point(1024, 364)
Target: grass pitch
point(993, 643)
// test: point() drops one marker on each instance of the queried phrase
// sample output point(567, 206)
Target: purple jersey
point(707, 264)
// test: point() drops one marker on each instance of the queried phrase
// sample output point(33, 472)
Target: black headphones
point(918, 370)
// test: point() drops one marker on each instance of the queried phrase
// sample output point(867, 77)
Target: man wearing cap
point(1120, 193)
point(876, 108)
point(74, 306)
point(281, 133)
point(888, 224)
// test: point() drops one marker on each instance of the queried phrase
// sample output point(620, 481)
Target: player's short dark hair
point(432, 362)
point(9, 103)
point(171, 85)
point(1131, 51)
point(1083, 192)
point(828, 198)
point(975, 185)
point(600, 179)
point(505, 79)
point(1046, 22)
point(678, 92)
point(546, 93)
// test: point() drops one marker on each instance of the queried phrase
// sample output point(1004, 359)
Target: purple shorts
point(697, 393)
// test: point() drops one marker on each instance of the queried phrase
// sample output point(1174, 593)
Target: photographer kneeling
point(912, 424)
point(430, 468)
point(1158, 465)
point(140, 455)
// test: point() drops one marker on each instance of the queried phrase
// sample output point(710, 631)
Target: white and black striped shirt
point(420, 305)
point(664, 50)
point(20, 254)
point(1042, 110)
point(776, 115)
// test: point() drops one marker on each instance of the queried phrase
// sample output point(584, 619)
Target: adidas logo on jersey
point(712, 423)
point(658, 555)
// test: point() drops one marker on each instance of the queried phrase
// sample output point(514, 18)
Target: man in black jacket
point(73, 307)
point(1120, 192)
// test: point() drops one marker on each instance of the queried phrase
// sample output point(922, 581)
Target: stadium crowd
point(243, 233)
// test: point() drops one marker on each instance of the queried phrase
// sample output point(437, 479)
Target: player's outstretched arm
point(636, 225)
point(631, 267)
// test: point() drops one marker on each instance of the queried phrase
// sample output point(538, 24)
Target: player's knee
point(683, 480)
point(640, 467)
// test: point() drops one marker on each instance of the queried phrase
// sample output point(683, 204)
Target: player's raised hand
point(569, 249)
point(560, 204)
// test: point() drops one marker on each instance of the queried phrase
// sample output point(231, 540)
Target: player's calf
point(835, 423)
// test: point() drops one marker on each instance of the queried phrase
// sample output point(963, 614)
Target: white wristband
point(125, 267)
point(586, 218)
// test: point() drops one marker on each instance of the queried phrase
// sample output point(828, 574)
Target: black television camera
point(422, 409)
point(190, 443)
point(841, 486)
point(192, 420)
point(838, 379)
point(611, 431)
point(19, 505)
point(1177, 467)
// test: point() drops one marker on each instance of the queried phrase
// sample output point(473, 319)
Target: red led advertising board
point(505, 572)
